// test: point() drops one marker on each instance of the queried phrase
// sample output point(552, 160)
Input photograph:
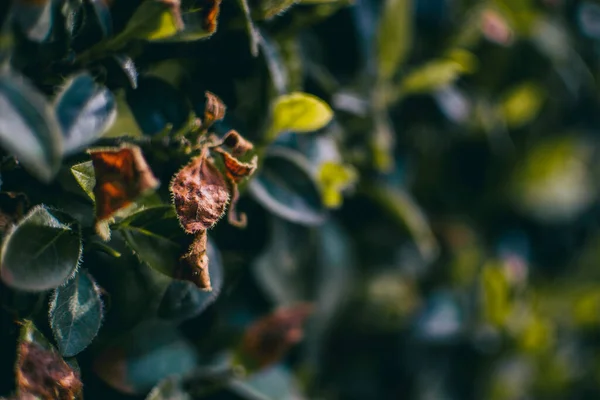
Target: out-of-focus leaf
point(283, 269)
point(495, 292)
point(169, 389)
point(84, 175)
point(102, 14)
point(42, 251)
point(440, 320)
point(141, 358)
point(285, 187)
point(154, 20)
point(28, 127)
point(402, 208)
point(84, 111)
point(333, 178)
point(154, 235)
point(76, 314)
point(274, 61)
point(276, 382)
point(40, 370)
point(157, 105)
point(553, 182)
point(34, 18)
point(298, 112)
point(394, 38)
point(433, 75)
point(521, 104)
point(183, 300)
point(252, 31)
point(272, 8)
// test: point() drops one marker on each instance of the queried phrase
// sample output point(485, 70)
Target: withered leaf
point(200, 194)
point(235, 169)
point(210, 13)
point(214, 110)
point(237, 143)
point(45, 374)
point(195, 267)
point(122, 175)
point(267, 340)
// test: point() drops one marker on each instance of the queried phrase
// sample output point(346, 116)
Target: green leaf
point(141, 358)
point(34, 18)
point(284, 268)
point(103, 17)
point(250, 27)
point(334, 178)
point(298, 112)
point(156, 104)
point(76, 314)
point(521, 104)
point(271, 8)
point(286, 188)
point(153, 20)
point(154, 234)
point(42, 251)
point(402, 208)
point(85, 111)
point(85, 177)
point(28, 127)
point(394, 37)
point(433, 75)
point(184, 300)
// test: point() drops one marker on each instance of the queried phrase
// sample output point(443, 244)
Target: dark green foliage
point(425, 186)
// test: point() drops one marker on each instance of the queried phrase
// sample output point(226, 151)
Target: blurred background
point(445, 225)
point(466, 256)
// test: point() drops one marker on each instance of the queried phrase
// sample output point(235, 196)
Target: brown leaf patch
point(200, 194)
point(267, 340)
point(195, 267)
point(45, 374)
point(210, 14)
point(122, 175)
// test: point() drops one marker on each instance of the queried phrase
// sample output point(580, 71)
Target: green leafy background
point(427, 178)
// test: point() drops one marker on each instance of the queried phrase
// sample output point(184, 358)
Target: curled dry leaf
point(195, 268)
point(200, 194)
point(214, 110)
point(235, 171)
point(236, 143)
point(201, 191)
point(122, 175)
point(45, 374)
point(267, 340)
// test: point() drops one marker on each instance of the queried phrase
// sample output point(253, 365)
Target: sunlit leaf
point(394, 37)
point(300, 113)
point(521, 104)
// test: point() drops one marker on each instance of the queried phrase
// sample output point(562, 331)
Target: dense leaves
point(307, 199)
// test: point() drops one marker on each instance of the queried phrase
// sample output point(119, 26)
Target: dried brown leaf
point(122, 175)
point(267, 340)
point(200, 194)
point(45, 374)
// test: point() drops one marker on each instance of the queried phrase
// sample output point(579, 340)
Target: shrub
point(298, 199)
